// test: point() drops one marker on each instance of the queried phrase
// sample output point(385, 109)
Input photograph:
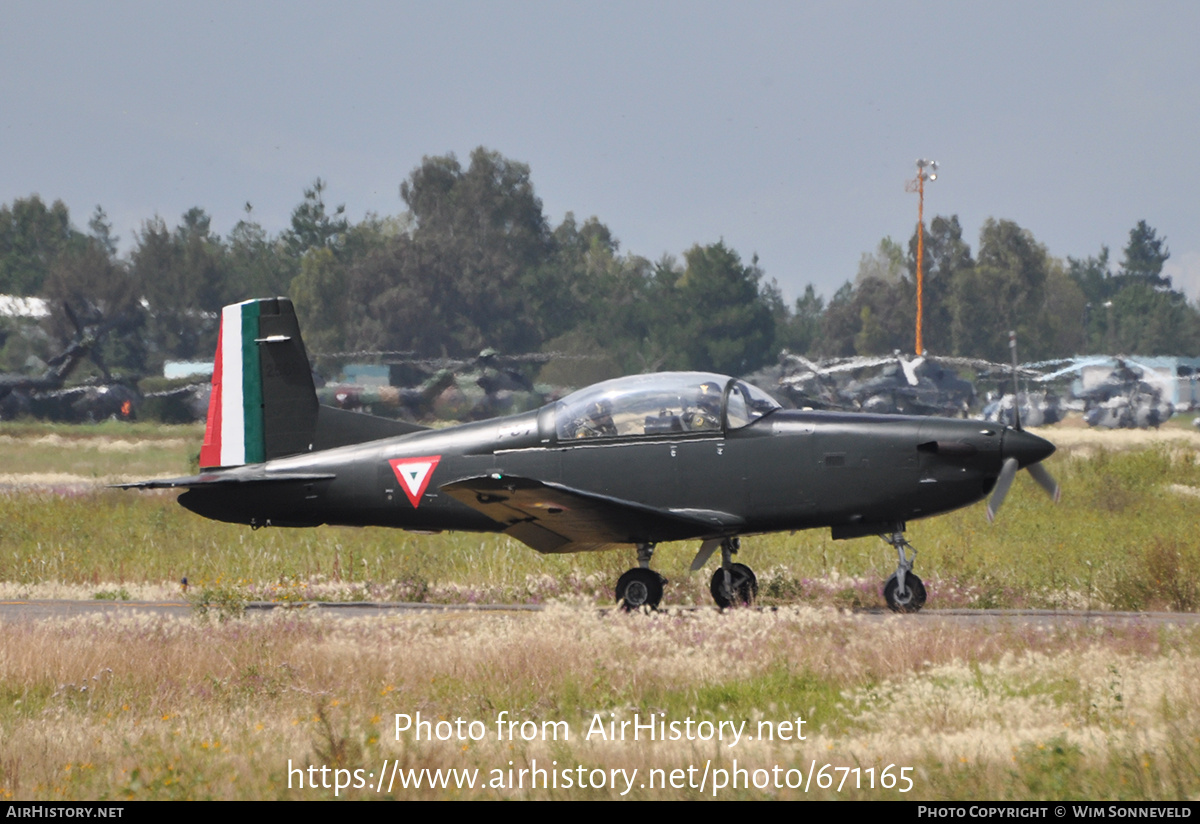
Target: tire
point(744, 585)
point(639, 588)
point(913, 599)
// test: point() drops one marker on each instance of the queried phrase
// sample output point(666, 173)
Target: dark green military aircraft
point(628, 462)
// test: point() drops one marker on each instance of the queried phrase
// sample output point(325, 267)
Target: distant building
point(12, 306)
point(367, 374)
point(188, 369)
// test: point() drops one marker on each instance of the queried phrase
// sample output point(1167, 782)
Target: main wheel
point(911, 601)
point(639, 588)
point(742, 582)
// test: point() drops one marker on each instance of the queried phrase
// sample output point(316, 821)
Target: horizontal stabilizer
point(217, 478)
point(554, 518)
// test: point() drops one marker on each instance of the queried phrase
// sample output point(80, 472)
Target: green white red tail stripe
point(233, 434)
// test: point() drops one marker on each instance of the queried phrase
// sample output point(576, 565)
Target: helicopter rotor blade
point(910, 369)
point(73, 318)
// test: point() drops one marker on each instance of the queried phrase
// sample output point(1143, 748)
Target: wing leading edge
point(554, 518)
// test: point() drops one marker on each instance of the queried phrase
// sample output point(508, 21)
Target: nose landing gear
point(903, 591)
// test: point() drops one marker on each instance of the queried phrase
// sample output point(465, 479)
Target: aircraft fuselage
point(859, 474)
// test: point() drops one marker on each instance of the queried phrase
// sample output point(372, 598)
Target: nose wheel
point(910, 600)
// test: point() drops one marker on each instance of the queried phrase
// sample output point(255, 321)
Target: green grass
point(215, 705)
point(102, 450)
point(1121, 537)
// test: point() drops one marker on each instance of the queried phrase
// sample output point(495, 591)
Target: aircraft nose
point(1025, 447)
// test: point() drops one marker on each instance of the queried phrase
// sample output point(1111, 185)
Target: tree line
point(473, 262)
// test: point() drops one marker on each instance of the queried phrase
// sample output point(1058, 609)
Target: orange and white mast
point(917, 185)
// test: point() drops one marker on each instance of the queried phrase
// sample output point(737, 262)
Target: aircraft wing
point(215, 478)
point(551, 517)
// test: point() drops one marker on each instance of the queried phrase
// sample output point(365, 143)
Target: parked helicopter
point(43, 396)
point(1032, 408)
point(486, 386)
point(633, 461)
point(1112, 392)
point(921, 386)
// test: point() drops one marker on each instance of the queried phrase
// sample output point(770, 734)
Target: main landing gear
point(903, 591)
point(733, 584)
point(640, 586)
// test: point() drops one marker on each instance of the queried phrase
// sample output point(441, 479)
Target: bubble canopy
point(664, 403)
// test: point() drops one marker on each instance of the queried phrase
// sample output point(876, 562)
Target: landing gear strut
point(903, 591)
point(733, 584)
point(640, 586)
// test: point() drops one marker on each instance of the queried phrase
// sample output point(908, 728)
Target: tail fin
point(263, 403)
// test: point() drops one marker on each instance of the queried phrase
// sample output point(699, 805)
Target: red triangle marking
point(414, 474)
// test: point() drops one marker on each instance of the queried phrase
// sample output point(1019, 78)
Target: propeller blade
point(1007, 473)
point(1045, 480)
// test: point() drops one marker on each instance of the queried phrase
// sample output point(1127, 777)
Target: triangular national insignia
point(414, 474)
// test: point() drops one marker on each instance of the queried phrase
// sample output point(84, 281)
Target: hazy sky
point(788, 129)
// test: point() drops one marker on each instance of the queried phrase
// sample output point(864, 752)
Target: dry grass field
point(140, 708)
point(219, 704)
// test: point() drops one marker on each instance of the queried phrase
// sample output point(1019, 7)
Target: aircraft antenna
point(917, 185)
